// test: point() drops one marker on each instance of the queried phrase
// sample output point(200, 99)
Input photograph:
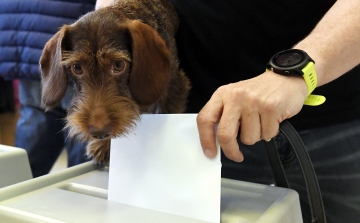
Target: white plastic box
point(79, 195)
point(14, 166)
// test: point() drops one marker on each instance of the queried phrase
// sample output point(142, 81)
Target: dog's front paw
point(99, 150)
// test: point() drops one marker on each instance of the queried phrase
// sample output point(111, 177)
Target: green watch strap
point(309, 75)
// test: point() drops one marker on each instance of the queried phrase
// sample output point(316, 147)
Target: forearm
point(334, 44)
point(103, 3)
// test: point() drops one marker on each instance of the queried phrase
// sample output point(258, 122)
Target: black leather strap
point(312, 186)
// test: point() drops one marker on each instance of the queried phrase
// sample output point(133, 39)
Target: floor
point(7, 137)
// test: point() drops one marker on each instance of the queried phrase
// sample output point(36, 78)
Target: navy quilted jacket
point(25, 27)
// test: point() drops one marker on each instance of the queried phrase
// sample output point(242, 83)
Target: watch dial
point(289, 59)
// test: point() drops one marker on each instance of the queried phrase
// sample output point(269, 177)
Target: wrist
point(318, 66)
point(295, 62)
point(296, 83)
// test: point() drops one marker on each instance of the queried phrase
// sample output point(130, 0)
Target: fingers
point(269, 127)
point(227, 111)
point(256, 106)
point(213, 112)
point(250, 127)
point(206, 120)
point(227, 132)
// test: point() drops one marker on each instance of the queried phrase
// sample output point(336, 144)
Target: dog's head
point(118, 66)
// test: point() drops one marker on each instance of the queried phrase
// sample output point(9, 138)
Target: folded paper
point(160, 166)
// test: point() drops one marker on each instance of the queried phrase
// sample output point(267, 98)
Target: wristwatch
point(295, 62)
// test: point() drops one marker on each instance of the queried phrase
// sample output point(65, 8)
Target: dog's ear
point(53, 76)
point(150, 72)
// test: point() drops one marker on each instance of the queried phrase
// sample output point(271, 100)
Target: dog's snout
point(100, 133)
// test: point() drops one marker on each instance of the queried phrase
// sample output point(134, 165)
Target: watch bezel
point(295, 69)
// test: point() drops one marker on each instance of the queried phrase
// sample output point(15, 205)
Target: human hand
point(256, 106)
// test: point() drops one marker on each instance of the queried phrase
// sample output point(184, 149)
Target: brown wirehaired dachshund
point(123, 62)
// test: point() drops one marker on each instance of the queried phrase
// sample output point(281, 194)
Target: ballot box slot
point(85, 189)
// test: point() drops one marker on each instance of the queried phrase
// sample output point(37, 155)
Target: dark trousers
point(335, 153)
point(6, 96)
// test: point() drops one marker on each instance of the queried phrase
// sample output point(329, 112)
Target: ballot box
point(14, 166)
point(79, 194)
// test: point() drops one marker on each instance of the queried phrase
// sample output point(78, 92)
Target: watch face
point(288, 59)
point(289, 62)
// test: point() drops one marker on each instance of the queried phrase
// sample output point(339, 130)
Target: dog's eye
point(119, 66)
point(77, 69)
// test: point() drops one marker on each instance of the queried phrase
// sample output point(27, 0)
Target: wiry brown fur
point(140, 33)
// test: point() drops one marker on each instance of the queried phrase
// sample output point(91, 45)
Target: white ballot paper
point(161, 166)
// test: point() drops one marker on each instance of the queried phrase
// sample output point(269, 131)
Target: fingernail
point(208, 153)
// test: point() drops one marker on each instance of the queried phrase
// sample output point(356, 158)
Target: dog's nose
point(100, 133)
